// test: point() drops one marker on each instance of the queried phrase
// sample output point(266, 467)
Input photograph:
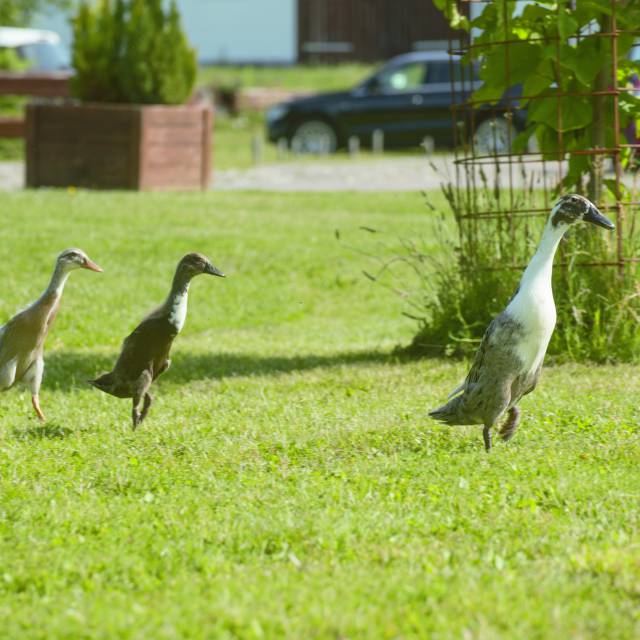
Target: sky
point(225, 30)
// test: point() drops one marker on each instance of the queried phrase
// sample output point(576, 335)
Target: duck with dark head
point(508, 362)
point(145, 352)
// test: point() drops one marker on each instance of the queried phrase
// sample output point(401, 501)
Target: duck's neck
point(176, 304)
point(179, 287)
point(56, 286)
point(538, 271)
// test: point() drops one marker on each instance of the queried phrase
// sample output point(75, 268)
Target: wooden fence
point(41, 85)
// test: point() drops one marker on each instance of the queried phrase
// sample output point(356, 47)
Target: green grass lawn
point(298, 77)
point(233, 139)
point(288, 482)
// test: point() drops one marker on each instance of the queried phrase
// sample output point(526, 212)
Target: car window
point(404, 77)
point(441, 72)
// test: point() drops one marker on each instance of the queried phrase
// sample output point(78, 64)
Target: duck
point(509, 359)
point(22, 338)
point(144, 354)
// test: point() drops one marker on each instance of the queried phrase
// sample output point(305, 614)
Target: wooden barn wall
point(372, 29)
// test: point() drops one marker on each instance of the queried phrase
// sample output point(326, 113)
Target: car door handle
point(417, 99)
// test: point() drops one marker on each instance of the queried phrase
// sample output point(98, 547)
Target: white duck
point(508, 362)
point(22, 338)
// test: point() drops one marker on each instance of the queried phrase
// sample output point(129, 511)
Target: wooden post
point(283, 148)
point(428, 145)
point(377, 141)
point(354, 146)
point(256, 148)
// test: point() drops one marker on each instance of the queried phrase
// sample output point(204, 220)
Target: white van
point(41, 50)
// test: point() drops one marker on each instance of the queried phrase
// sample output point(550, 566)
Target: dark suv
point(409, 98)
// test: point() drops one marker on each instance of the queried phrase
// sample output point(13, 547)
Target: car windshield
point(402, 77)
point(412, 75)
point(44, 56)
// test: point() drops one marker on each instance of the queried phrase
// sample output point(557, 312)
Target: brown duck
point(22, 338)
point(145, 352)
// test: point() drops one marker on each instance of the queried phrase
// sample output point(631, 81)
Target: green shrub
point(598, 306)
point(454, 292)
point(131, 51)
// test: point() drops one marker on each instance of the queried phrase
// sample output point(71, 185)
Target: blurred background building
point(290, 31)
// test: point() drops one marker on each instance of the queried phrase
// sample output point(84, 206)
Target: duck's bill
point(214, 271)
point(92, 266)
point(595, 217)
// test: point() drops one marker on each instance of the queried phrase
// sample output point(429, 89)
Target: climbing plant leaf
point(560, 61)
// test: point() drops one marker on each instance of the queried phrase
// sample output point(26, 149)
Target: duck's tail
point(105, 382)
point(453, 412)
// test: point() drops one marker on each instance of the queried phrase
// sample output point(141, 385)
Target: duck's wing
point(18, 335)
point(525, 383)
point(146, 346)
point(487, 345)
point(476, 368)
point(459, 389)
point(486, 391)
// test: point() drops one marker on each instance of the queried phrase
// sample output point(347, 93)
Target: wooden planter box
point(108, 146)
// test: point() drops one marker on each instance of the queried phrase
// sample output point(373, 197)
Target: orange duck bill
point(91, 265)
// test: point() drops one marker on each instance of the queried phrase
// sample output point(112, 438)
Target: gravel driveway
point(413, 173)
point(11, 175)
point(383, 174)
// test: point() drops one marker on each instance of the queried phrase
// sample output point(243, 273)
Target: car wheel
point(494, 136)
point(315, 137)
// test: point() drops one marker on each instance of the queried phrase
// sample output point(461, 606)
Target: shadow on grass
point(66, 370)
point(46, 431)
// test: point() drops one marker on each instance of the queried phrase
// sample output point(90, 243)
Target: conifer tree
point(132, 51)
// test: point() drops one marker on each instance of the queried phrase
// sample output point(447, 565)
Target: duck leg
point(33, 377)
point(486, 434)
point(148, 399)
point(510, 424)
point(140, 392)
point(35, 401)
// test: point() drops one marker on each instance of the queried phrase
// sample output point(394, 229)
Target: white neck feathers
point(56, 285)
point(533, 306)
point(177, 306)
point(538, 271)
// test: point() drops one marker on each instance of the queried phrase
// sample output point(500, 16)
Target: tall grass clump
point(455, 291)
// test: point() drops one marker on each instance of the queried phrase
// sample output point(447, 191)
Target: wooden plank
point(170, 179)
point(46, 85)
point(117, 146)
point(174, 116)
point(166, 157)
point(172, 136)
point(31, 148)
point(12, 127)
point(137, 151)
point(205, 149)
point(376, 29)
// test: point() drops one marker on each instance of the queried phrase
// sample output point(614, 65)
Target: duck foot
point(510, 425)
point(486, 434)
point(148, 399)
point(35, 401)
point(138, 416)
